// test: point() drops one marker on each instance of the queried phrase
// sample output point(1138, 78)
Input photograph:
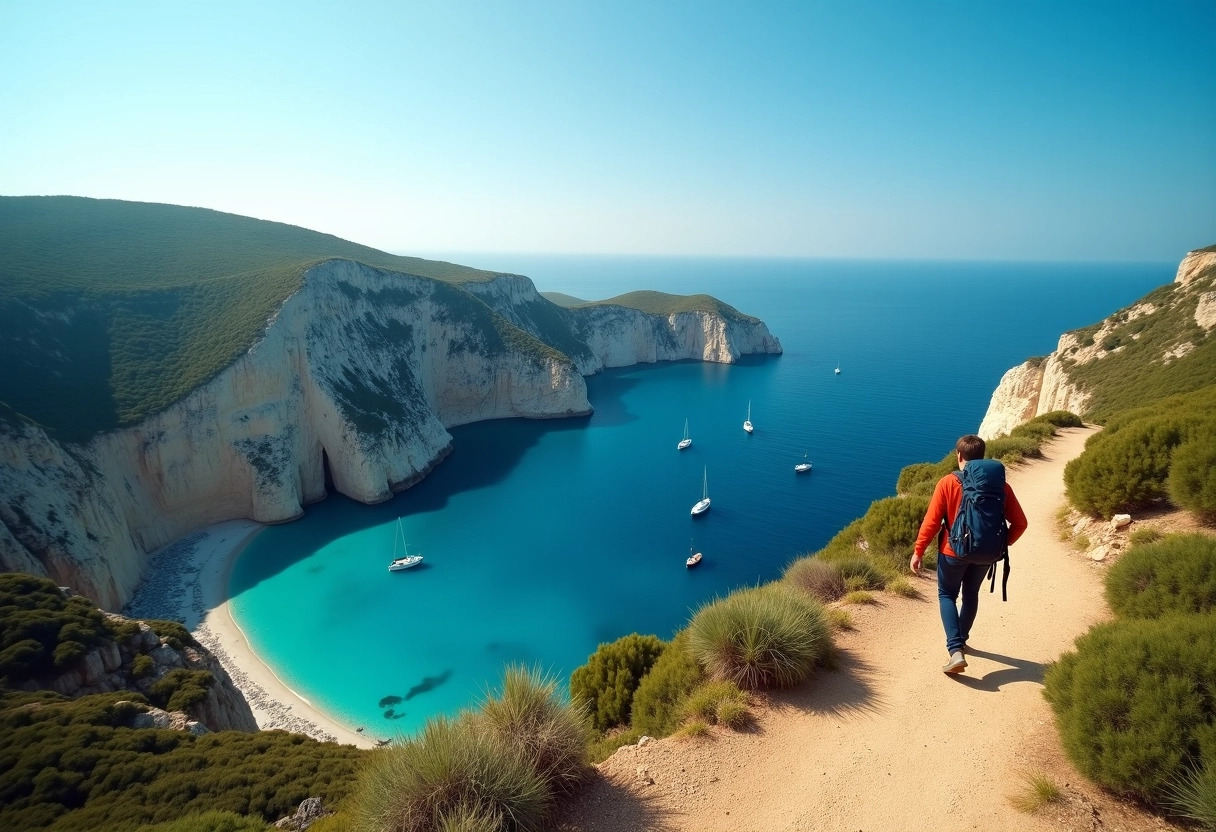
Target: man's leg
point(972, 580)
point(949, 580)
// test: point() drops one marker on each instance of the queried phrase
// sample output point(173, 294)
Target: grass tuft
point(1038, 791)
point(693, 728)
point(821, 580)
point(860, 596)
point(840, 619)
point(903, 587)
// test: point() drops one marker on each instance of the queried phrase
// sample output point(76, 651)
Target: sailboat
point(702, 505)
point(837, 369)
point(693, 558)
point(803, 467)
point(685, 442)
point(405, 560)
point(747, 423)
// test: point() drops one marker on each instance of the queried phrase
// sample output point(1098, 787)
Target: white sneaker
point(957, 663)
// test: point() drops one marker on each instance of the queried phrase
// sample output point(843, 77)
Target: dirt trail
point(887, 741)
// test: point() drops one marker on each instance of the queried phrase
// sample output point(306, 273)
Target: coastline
point(187, 581)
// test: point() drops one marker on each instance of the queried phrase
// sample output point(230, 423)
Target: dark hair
point(970, 447)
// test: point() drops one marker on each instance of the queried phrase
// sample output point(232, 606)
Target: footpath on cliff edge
point(887, 741)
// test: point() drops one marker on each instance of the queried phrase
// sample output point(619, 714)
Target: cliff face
point(1042, 385)
point(354, 382)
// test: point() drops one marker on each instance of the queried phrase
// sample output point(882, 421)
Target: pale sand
point(188, 581)
point(888, 741)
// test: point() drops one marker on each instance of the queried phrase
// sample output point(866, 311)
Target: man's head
point(969, 447)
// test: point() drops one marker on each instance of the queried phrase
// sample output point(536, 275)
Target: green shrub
point(860, 596)
point(1061, 419)
point(1126, 469)
point(42, 631)
point(819, 579)
point(603, 747)
point(210, 822)
point(1177, 574)
point(903, 587)
point(99, 774)
point(1038, 431)
point(1146, 535)
point(1192, 478)
point(180, 689)
point(921, 477)
point(607, 681)
point(172, 633)
point(892, 523)
point(860, 573)
point(142, 666)
point(1013, 449)
point(707, 702)
point(1134, 702)
point(659, 697)
point(453, 769)
point(553, 734)
point(1193, 795)
point(764, 637)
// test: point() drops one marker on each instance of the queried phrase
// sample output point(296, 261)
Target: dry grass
point(1037, 791)
point(860, 596)
point(840, 619)
point(903, 587)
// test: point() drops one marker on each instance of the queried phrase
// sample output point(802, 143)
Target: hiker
point(983, 545)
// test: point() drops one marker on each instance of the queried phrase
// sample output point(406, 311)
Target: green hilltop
point(126, 307)
point(661, 303)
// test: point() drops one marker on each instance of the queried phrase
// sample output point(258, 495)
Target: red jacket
point(947, 497)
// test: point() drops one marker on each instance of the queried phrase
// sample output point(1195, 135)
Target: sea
point(543, 539)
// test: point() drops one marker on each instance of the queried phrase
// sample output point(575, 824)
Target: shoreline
point(187, 581)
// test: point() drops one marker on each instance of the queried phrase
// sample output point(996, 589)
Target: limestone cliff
point(352, 385)
point(1041, 385)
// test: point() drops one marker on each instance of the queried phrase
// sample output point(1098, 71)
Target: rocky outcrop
point(352, 386)
point(136, 663)
point(1042, 385)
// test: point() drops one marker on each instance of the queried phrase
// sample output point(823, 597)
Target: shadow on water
point(1018, 670)
point(483, 455)
point(428, 684)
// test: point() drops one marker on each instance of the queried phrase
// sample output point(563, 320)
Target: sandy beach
point(188, 581)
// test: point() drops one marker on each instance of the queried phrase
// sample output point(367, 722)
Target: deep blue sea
point(543, 539)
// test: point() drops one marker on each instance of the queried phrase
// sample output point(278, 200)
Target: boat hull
point(701, 507)
point(684, 443)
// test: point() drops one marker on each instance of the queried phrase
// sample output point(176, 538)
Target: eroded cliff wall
point(354, 381)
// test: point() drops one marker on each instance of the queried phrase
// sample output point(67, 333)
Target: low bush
point(892, 524)
point(707, 702)
point(173, 633)
point(603, 747)
point(1061, 419)
point(819, 579)
point(1124, 470)
point(1134, 702)
point(452, 773)
point(1013, 449)
point(1176, 574)
point(1192, 478)
point(553, 734)
point(607, 681)
point(764, 637)
point(1040, 432)
point(1148, 534)
point(142, 666)
point(921, 477)
point(181, 689)
point(42, 631)
point(659, 697)
point(860, 573)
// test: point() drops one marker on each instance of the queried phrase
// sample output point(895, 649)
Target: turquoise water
point(543, 539)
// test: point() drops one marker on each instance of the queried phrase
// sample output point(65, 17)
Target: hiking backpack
point(979, 534)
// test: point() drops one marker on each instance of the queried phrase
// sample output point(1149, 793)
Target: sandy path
point(889, 742)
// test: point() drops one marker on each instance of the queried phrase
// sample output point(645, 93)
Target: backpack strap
point(1004, 577)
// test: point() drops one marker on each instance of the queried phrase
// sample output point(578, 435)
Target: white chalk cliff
point(355, 379)
point(1041, 385)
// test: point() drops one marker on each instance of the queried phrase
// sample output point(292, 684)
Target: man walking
point(954, 573)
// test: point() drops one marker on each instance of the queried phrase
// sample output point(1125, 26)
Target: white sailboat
point(702, 505)
point(747, 423)
point(693, 558)
point(837, 369)
point(685, 442)
point(405, 560)
point(803, 467)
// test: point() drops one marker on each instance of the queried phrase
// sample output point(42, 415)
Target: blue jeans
point(954, 575)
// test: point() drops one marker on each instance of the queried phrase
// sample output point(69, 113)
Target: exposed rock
point(357, 375)
point(1120, 520)
point(1195, 265)
point(1205, 311)
point(1099, 553)
point(308, 813)
point(644, 740)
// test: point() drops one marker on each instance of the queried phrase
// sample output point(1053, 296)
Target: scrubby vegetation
point(757, 638)
point(1175, 575)
point(607, 682)
point(72, 764)
point(661, 303)
point(820, 579)
point(658, 700)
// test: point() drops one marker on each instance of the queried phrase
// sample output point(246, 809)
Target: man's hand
point(916, 562)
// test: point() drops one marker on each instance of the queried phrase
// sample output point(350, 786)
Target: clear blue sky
point(989, 130)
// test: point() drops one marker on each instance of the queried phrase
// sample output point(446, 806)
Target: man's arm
point(1014, 515)
point(931, 526)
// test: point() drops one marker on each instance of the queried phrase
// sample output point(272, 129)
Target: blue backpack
point(979, 534)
